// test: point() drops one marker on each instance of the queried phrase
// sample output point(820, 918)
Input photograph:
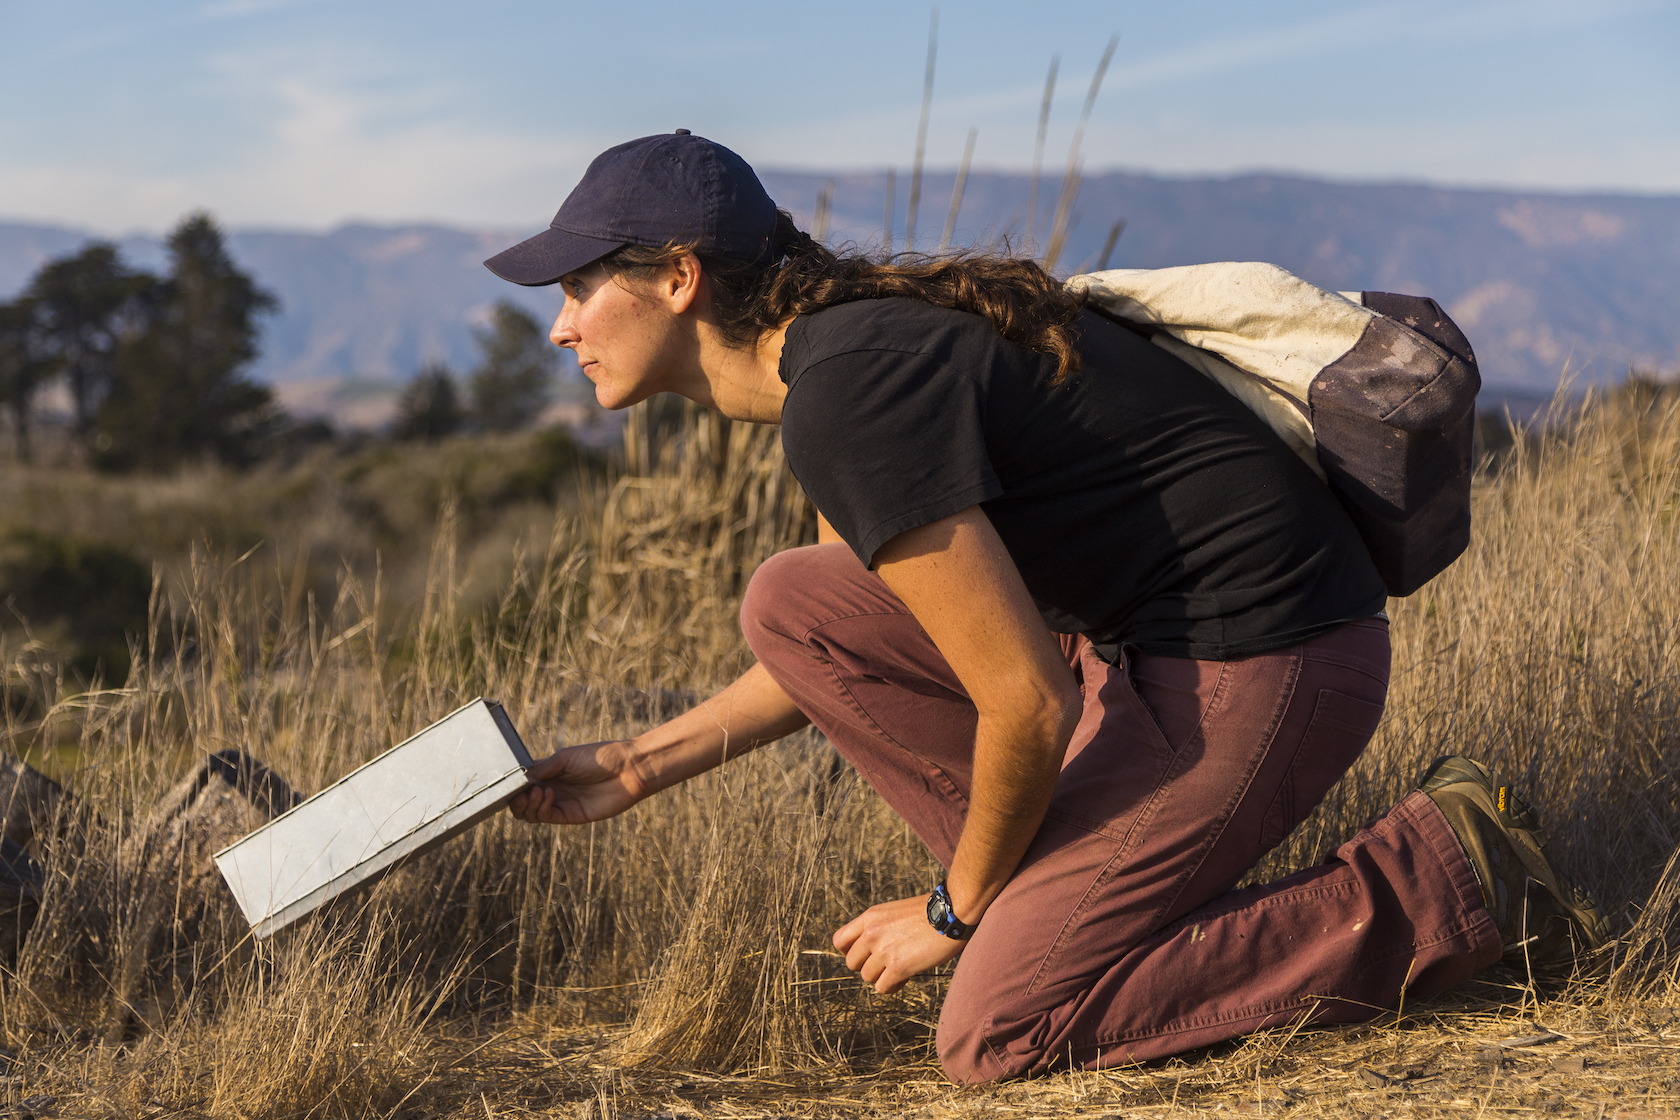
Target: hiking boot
point(1541, 914)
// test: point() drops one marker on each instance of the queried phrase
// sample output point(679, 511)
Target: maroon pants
point(1120, 937)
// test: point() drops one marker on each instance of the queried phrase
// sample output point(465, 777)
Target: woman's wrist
point(969, 900)
point(655, 760)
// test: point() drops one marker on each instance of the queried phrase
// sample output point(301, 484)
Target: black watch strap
point(943, 917)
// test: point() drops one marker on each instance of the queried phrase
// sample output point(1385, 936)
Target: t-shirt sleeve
point(887, 440)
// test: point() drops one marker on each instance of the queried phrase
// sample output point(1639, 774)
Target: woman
point(1078, 616)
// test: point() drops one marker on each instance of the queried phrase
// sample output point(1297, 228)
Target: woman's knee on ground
point(985, 1038)
point(963, 1053)
point(970, 1054)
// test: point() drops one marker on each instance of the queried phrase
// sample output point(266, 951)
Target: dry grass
point(675, 960)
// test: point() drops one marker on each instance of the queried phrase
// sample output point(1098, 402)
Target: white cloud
point(1342, 33)
point(1487, 142)
point(322, 152)
point(93, 197)
point(334, 152)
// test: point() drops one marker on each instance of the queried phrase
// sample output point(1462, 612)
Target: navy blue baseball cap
point(655, 191)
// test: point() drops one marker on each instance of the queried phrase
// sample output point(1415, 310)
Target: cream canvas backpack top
point(1377, 392)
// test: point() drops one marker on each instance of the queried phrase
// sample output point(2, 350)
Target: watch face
point(936, 913)
point(942, 918)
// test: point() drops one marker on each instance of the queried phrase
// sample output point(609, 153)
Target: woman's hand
point(890, 943)
point(580, 784)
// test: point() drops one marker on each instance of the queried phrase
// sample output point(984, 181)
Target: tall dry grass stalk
point(915, 204)
point(1061, 226)
point(697, 924)
point(1038, 152)
point(956, 194)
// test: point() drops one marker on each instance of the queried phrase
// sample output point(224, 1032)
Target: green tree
point(429, 407)
point(513, 380)
point(27, 362)
point(177, 392)
point(86, 304)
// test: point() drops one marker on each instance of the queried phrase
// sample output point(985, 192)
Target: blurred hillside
point(1537, 280)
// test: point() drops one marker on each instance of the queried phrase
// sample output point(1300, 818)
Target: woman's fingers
point(575, 785)
point(847, 934)
point(582, 763)
point(533, 805)
point(888, 944)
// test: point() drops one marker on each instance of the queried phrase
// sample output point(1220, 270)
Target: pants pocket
point(1340, 727)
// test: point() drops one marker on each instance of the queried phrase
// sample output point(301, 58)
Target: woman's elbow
point(1064, 712)
point(1045, 716)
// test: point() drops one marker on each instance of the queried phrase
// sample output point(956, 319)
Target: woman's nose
point(563, 333)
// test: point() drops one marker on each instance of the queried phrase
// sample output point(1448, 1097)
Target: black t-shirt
point(1140, 501)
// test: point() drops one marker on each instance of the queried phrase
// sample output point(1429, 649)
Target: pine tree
point(85, 304)
point(177, 392)
point(27, 363)
point(429, 407)
point(513, 380)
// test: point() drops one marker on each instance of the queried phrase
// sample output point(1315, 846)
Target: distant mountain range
point(1536, 280)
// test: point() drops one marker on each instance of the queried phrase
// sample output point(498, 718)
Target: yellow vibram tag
point(1501, 799)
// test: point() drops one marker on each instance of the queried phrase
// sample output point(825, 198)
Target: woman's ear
point(681, 283)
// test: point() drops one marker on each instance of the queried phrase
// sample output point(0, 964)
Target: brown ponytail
point(1023, 303)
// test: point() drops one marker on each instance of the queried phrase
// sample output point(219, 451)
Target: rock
point(20, 897)
point(28, 800)
point(30, 805)
point(174, 879)
point(163, 873)
point(1570, 1065)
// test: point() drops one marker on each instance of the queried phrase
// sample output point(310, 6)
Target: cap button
point(683, 132)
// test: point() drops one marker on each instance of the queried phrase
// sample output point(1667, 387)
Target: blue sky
point(117, 116)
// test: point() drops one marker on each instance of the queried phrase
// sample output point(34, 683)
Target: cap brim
point(548, 256)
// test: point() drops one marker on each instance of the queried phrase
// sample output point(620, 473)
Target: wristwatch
point(942, 915)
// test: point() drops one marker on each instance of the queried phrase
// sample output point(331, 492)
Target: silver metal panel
point(408, 800)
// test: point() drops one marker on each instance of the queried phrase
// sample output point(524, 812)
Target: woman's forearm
point(961, 584)
point(747, 714)
point(1016, 764)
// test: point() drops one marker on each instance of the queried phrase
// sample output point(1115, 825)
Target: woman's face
point(623, 340)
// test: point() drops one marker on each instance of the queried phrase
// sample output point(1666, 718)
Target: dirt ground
point(1485, 1050)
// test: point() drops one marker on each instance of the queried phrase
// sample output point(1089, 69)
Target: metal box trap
point(421, 792)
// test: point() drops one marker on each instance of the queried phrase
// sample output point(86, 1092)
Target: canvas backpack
point(1377, 392)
